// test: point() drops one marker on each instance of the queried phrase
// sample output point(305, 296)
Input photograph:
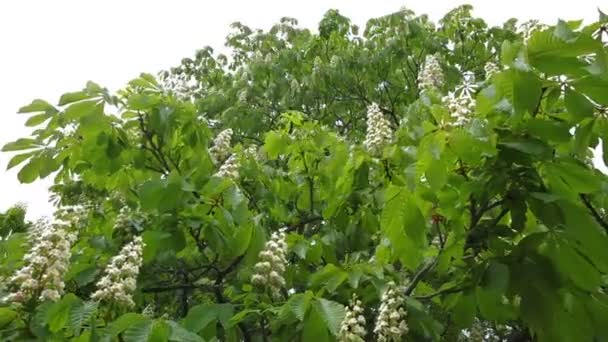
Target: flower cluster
point(352, 328)
point(268, 271)
point(527, 28)
point(122, 221)
point(221, 146)
point(461, 107)
point(230, 168)
point(120, 279)
point(251, 152)
point(431, 75)
point(128, 219)
point(379, 133)
point(181, 83)
point(491, 68)
point(476, 332)
point(149, 311)
point(45, 264)
point(391, 325)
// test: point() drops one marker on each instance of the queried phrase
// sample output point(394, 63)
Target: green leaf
point(578, 105)
point(199, 317)
point(151, 194)
point(594, 88)
point(561, 42)
point(299, 304)
point(20, 144)
point(489, 295)
point(139, 332)
point(30, 171)
point(527, 145)
point(180, 334)
point(68, 98)
point(6, 316)
point(275, 144)
point(81, 314)
point(59, 313)
point(329, 277)
point(465, 309)
point(78, 111)
point(577, 178)
point(573, 266)
point(160, 331)
point(522, 90)
point(18, 159)
point(314, 327)
point(582, 136)
point(37, 119)
point(121, 324)
point(548, 129)
point(331, 312)
point(37, 106)
point(404, 226)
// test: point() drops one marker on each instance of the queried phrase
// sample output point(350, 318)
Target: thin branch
point(448, 290)
point(299, 226)
point(176, 287)
point(596, 215)
point(418, 276)
point(311, 183)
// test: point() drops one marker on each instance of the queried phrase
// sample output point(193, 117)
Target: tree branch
point(418, 276)
point(448, 290)
point(596, 215)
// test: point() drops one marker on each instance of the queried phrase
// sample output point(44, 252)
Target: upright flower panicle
point(45, 264)
point(379, 133)
point(431, 75)
point(230, 168)
point(461, 103)
point(221, 146)
point(390, 324)
point(120, 279)
point(461, 107)
point(491, 68)
point(528, 28)
point(268, 271)
point(352, 328)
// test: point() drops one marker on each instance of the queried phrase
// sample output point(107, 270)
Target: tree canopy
point(405, 181)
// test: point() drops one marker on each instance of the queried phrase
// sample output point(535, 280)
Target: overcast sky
point(51, 47)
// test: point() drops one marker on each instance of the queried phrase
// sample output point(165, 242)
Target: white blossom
point(128, 218)
point(352, 328)
point(528, 28)
point(491, 68)
point(254, 153)
point(468, 86)
point(379, 133)
point(390, 324)
point(476, 333)
point(230, 168)
point(149, 310)
point(120, 279)
point(268, 271)
point(431, 75)
point(334, 62)
point(221, 146)
point(45, 264)
point(461, 107)
point(461, 103)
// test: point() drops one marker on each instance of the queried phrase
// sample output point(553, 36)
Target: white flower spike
point(268, 271)
point(379, 133)
point(119, 282)
point(390, 324)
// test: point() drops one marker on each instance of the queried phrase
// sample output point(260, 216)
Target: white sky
point(51, 47)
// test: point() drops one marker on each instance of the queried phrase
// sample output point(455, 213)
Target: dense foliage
point(413, 181)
